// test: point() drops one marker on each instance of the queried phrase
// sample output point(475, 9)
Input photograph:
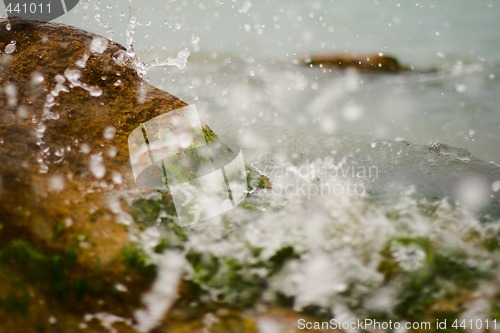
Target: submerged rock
point(366, 63)
point(69, 99)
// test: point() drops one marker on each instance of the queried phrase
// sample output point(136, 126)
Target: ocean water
point(357, 160)
point(241, 72)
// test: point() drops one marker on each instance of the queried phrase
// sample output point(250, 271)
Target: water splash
point(179, 61)
point(98, 45)
point(129, 57)
point(73, 76)
point(163, 292)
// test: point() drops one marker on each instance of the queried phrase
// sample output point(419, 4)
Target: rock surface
point(68, 100)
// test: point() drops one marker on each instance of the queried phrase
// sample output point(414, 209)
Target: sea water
point(241, 66)
point(355, 158)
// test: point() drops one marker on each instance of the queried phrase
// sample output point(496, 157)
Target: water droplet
point(36, 78)
point(43, 168)
point(245, 8)
point(495, 186)
point(95, 92)
point(52, 320)
point(122, 58)
point(73, 76)
point(460, 88)
point(82, 62)
point(40, 128)
point(11, 91)
point(98, 45)
point(195, 41)
point(352, 112)
point(59, 152)
point(22, 112)
point(118, 83)
point(109, 132)
point(121, 288)
point(68, 222)
point(96, 166)
point(473, 193)
point(84, 148)
point(116, 177)
point(10, 48)
point(112, 151)
point(56, 183)
point(8, 26)
point(247, 27)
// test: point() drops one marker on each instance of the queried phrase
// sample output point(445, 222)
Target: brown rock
point(367, 63)
point(46, 181)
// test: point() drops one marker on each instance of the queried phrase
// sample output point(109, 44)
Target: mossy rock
point(64, 226)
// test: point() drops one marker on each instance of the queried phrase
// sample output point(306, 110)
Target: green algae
point(17, 299)
point(55, 274)
point(438, 278)
point(147, 211)
point(137, 261)
point(209, 135)
point(224, 281)
point(48, 271)
point(234, 283)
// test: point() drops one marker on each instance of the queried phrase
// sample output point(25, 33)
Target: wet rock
point(68, 100)
point(365, 63)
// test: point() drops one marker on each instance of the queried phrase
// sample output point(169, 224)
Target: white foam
point(163, 293)
point(98, 45)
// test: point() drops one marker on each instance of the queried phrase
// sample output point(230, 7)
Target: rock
point(69, 99)
point(365, 63)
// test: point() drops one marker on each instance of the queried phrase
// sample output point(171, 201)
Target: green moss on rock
point(440, 275)
point(137, 261)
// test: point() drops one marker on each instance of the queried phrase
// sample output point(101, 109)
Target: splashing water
point(98, 45)
point(341, 251)
point(163, 292)
point(130, 58)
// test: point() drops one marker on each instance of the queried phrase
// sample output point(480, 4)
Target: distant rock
point(365, 63)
